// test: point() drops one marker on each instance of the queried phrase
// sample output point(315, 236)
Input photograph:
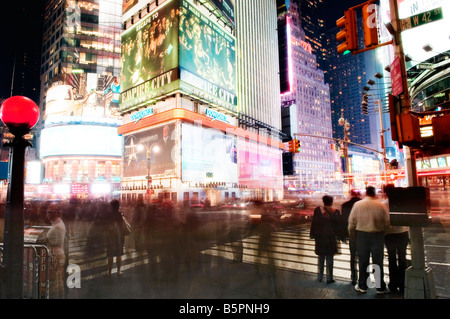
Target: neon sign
point(216, 116)
point(141, 114)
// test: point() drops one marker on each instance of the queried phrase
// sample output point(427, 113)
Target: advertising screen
point(260, 166)
point(153, 149)
point(226, 7)
point(149, 53)
point(80, 140)
point(33, 172)
point(4, 167)
point(207, 55)
point(87, 95)
point(208, 155)
point(128, 4)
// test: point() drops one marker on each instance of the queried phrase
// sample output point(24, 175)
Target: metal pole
point(148, 175)
point(383, 145)
point(14, 223)
point(347, 167)
point(419, 283)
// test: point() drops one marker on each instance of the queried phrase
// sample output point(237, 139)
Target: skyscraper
point(313, 25)
point(80, 68)
point(257, 65)
point(308, 101)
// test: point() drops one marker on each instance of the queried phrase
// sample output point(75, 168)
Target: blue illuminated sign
point(141, 114)
point(216, 116)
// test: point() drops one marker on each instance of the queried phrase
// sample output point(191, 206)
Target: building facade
point(200, 117)
point(78, 145)
point(308, 100)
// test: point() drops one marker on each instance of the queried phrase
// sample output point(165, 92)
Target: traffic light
point(365, 108)
point(365, 104)
point(291, 146)
point(349, 34)
point(296, 146)
point(394, 109)
point(405, 127)
point(370, 27)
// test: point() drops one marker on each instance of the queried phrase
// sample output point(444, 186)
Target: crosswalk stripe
point(290, 248)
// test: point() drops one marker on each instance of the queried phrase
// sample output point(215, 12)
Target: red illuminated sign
point(396, 77)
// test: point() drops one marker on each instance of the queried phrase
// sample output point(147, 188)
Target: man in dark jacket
point(346, 209)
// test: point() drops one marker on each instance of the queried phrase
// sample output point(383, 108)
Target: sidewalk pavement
point(219, 279)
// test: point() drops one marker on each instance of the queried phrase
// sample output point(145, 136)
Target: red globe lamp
point(19, 114)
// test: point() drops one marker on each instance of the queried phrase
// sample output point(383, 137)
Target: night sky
point(334, 9)
point(20, 33)
point(20, 27)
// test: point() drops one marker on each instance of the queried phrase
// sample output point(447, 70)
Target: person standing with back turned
point(396, 240)
point(367, 224)
point(346, 209)
point(325, 230)
point(114, 237)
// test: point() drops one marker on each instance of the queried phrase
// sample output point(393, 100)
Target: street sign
point(421, 19)
point(396, 77)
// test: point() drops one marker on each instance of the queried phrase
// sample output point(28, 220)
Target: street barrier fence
point(36, 272)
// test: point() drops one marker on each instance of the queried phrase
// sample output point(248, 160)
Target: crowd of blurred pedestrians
point(170, 236)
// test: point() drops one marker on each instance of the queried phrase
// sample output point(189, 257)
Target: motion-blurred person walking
point(115, 238)
point(56, 237)
point(346, 209)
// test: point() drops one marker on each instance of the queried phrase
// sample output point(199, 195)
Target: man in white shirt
point(367, 223)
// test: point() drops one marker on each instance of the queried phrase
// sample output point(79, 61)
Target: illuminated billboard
point(152, 149)
point(209, 155)
point(128, 4)
point(207, 56)
point(89, 140)
point(226, 7)
point(33, 172)
point(89, 95)
point(150, 55)
point(260, 166)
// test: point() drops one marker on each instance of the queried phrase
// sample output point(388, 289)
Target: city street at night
point(225, 150)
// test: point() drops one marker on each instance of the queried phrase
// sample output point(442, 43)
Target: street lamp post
point(155, 149)
point(19, 114)
point(346, 126)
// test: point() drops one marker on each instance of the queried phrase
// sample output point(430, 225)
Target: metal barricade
point(36, 270)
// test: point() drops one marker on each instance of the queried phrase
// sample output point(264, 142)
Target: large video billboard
point(207, 55)
point(87, 95)
point(260, 165)
point(209, 155)
point(149, 55)
point(157, 143)
point(89, 140)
